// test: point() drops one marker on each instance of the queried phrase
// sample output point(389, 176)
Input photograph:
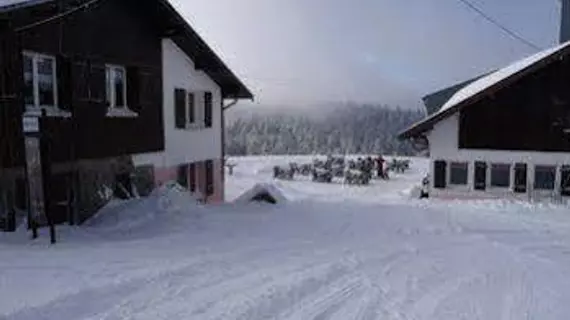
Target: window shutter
point(192, 174)
point(565, 181)
point(520, 177)
point(440, 178)
point(180, 108)
point(64, 83)
point(480, 175)
point(80, 76)
point(208, 109)
point(133, 88)
point(209, 177)
point(98, 84)
point(191, 108)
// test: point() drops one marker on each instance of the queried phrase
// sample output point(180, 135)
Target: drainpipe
point(223, 127)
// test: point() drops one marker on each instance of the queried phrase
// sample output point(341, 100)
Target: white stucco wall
point(190, 145)
point(444, 145)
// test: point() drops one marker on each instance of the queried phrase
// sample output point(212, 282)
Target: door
point(480, 175)
point(60, 194)
point(565, 181)
point(520, 177)
point(439, 176)
point(182, 176)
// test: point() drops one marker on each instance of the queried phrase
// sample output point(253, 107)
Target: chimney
point(565, 21)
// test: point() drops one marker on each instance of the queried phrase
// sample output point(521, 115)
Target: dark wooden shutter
point(64, 82)
point(440, 177)
point(480, 176)
point(180, 108)
point(208, 109)
point(133, 88)
point(192, 174)
point(520, 177)
point(182, 176)
point(191, 108)
point(98, 84)
point(209, 177)
point(80, 73)
point(565, 181)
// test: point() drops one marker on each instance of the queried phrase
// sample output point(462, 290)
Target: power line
point(499, 25)
point(57, 16)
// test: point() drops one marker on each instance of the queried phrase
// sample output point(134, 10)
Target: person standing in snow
point(380, 167)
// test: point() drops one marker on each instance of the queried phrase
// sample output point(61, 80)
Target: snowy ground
point(332, 252)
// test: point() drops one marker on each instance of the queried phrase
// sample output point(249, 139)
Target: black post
point(46, 175)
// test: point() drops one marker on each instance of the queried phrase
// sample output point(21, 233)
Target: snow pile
point(339, 252)
point(262, 188)
point(168, 200)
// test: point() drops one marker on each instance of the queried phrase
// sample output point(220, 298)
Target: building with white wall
point(506, 134)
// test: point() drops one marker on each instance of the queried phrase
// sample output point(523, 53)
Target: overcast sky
point(388, 51)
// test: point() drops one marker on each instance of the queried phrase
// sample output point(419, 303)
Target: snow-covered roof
point(472, 90)
point(6, 5)
point(261, 188)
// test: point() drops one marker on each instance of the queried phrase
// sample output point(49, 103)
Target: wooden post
point(46, 175)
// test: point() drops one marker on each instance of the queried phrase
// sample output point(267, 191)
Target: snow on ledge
point(121, 113)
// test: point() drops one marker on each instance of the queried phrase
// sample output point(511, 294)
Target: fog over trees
point(350, 128)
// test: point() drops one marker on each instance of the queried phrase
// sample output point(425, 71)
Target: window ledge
point(121, 113)
point(50, 112)
point(196, 126)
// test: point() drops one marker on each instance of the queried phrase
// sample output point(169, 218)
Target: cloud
point(390, 51)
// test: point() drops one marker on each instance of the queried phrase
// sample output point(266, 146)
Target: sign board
point(31, 124)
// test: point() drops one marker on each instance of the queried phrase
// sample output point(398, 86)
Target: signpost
point(36, 171)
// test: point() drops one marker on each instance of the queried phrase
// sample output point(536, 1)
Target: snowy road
point(337, 253)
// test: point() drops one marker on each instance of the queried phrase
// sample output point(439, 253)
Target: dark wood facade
point(11, 138)
point(108, 32)
point(531, 114)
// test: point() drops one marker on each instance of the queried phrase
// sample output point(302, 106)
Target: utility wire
point(499, 25)
point(57, 16)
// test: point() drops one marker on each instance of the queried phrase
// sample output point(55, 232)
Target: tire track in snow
point(260, 300)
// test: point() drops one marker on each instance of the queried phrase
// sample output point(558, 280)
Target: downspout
point(223, 127)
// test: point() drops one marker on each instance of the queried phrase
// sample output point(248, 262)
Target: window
point(500, 175)
point(458, 173)
point(116, 86)
point(544, 177)
point(191, 109)
point(40, 81)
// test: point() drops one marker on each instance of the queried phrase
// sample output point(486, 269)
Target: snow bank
point(167, 200)
point(261, 188)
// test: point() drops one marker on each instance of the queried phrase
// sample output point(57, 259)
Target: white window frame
point(36, 109)
point(199, 110)
point(490, 175)
point(111, 94)
point(110, 70)
point(554, 182)
point(449, 171)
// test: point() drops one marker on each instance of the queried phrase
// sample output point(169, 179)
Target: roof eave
point(236, 88)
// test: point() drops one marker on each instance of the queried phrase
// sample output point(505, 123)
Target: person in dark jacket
point(380, 167)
